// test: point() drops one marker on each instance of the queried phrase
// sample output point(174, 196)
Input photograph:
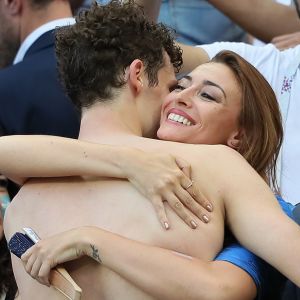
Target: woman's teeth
point(179, 119)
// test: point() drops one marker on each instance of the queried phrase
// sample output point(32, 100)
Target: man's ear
point(136, 75)
point(13, 7)
point(234, 139)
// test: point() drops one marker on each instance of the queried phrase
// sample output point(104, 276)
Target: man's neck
point(106, 121)
point(34, 18)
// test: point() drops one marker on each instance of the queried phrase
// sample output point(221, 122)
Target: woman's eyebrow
point(188, 77)
point(208, 82)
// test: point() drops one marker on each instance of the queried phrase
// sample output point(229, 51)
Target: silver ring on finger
point(191, 184)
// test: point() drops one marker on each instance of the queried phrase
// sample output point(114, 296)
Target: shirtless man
point(119, 106)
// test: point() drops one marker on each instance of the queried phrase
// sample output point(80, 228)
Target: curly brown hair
point(94, 53)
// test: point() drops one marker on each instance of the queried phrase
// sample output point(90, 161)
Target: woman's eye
point(207, 96)
point(177, 88)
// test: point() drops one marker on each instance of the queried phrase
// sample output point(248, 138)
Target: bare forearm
point(151, 8)
point(38, 156)
point(166, 275)
point(273, 236)
point(263, 19)
point(192, 57)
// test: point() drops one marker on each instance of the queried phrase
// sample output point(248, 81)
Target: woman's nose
point(183, 99)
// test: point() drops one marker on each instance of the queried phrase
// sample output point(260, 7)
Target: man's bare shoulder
point(192, 151)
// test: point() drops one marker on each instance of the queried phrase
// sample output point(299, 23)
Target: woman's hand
point(287, 41)
point(163, 177)
point(48, 253)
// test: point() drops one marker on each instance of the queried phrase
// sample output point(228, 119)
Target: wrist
point(127, 162)
point(88, 243)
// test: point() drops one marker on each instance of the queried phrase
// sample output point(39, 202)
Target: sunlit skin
point(210, 99)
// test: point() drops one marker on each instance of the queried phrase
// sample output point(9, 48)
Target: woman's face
point(203, 108)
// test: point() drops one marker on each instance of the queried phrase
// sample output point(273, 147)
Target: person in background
point(277, 23)
point(31, 98)
point(195, 21)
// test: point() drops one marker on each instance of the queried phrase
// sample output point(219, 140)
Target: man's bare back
point(52, 206)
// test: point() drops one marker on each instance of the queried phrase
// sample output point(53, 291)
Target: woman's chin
point(168, 136)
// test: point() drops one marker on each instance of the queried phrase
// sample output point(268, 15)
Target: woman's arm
point(159, 177)
point(192, 57)
point(153, 270)
point(255, 217)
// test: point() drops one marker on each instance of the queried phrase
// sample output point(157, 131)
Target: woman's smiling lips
point(180, 117)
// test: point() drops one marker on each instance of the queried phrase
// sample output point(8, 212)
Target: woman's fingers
point(188, 185)
point(161, 211)
point(36, 265)
point(44, 273)
point(178, 208)
point(35, 269)
point(181, 210)
point(28, 264)
point(184, 166)
point(181, 197)
point(168, 178)
point(286, 41)
point(202, 200)
point(26, 255)
point(192, 205)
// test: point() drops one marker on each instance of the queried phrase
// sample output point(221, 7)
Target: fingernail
point(166, 225)
point(209, 207)
point(194, 224)
point(205, 218)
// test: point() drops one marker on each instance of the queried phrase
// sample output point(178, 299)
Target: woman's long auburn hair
point(260, 118)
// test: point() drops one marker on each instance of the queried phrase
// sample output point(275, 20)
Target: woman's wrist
point(127, 161)
point(88, 243)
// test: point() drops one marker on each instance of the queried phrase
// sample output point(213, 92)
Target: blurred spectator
point(274, 22)
point(8, 46)
point(258, 42)
point(197, 22)
point(31, 98)
point(271, 19)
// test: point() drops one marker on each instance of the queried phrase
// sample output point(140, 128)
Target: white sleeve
point(271, 62)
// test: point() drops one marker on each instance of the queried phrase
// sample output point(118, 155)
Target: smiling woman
point(226, 101)
point(201, 98)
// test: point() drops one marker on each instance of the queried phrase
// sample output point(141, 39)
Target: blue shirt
point(268, 281)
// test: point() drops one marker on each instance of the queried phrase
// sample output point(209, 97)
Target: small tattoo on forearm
point(95, 254)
